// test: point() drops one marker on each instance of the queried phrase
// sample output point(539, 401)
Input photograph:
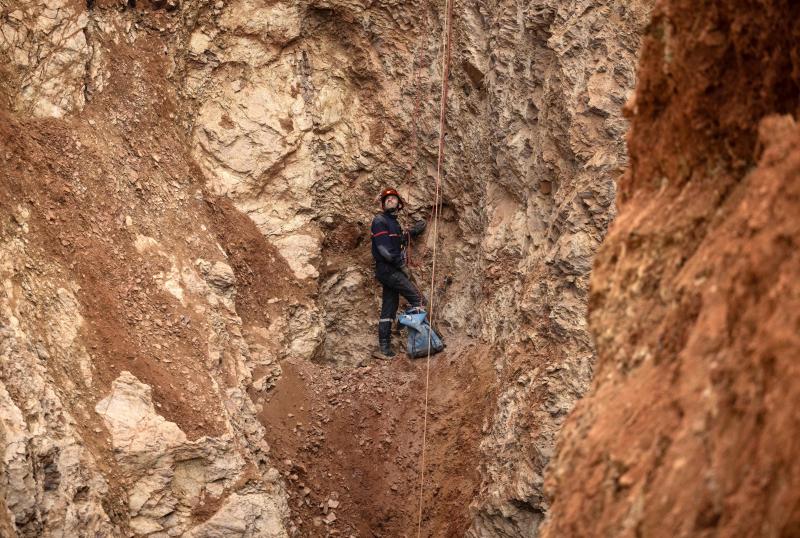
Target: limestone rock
point(87, 447)
point(558, 149)
point(245, 515)
point(46, 52)
point(136, 429)
point(219, 275)
point(48, 477)
point(172, 474)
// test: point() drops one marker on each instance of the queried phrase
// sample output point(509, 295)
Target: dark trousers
point(395, 284)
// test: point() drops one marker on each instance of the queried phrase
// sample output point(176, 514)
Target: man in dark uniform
point(390, 266)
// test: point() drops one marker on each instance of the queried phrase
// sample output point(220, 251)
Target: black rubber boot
point(385, 352)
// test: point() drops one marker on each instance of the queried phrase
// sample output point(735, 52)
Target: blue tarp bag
point(419, 332)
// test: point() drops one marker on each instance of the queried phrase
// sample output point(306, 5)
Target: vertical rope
point(437, 209)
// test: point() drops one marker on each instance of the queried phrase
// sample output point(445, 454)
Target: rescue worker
point(390, 266)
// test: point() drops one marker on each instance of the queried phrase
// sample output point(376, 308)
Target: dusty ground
point(354, 437)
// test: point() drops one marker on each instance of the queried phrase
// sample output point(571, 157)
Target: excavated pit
point(187, 272)
point(187, 307)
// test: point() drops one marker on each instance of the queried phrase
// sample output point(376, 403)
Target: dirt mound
point(349, 441)
point(691, 426)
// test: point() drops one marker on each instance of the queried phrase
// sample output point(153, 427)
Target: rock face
point(50, 481)
point(555, 142)
point(58, 475)
point(185, 205)
point(48, 56)
point(691, 428)
point(202, 191)
point(176, 474)
point(125, 363)
point(296, 121)
point(303, 113)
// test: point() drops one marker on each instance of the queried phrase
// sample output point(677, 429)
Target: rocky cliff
point(691, 425)
point(124, 365)
point(559, 74)
point(186, 199)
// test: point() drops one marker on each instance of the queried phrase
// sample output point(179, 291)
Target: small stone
point(625, 480)
point(330, 518)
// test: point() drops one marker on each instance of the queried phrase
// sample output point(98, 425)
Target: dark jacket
point(387, 243)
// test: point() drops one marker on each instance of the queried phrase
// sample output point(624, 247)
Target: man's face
point(391, 202)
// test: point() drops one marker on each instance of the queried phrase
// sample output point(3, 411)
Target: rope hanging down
point(436, 211)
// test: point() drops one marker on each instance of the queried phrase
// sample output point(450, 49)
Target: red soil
point(692, 425)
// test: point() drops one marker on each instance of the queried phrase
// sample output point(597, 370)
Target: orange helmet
point(385, 193)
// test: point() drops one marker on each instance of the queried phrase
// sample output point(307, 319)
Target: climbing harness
point(448, 39)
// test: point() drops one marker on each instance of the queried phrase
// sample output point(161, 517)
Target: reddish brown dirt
point(261, 272)
point(81, 178)
point(706, 79)
point(72, 178)
point(354, 436)
point(692, 425)
point(361, 429)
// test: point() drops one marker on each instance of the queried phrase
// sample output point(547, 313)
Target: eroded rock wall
point(304, 111)
point(691, 426)
point(298, 113)
point(125, 365)
point(558, 76)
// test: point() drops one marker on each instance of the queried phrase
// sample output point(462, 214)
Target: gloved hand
point(406, 271)
point(417, 228)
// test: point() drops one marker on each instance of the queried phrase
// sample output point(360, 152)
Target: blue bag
point(419, 333)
